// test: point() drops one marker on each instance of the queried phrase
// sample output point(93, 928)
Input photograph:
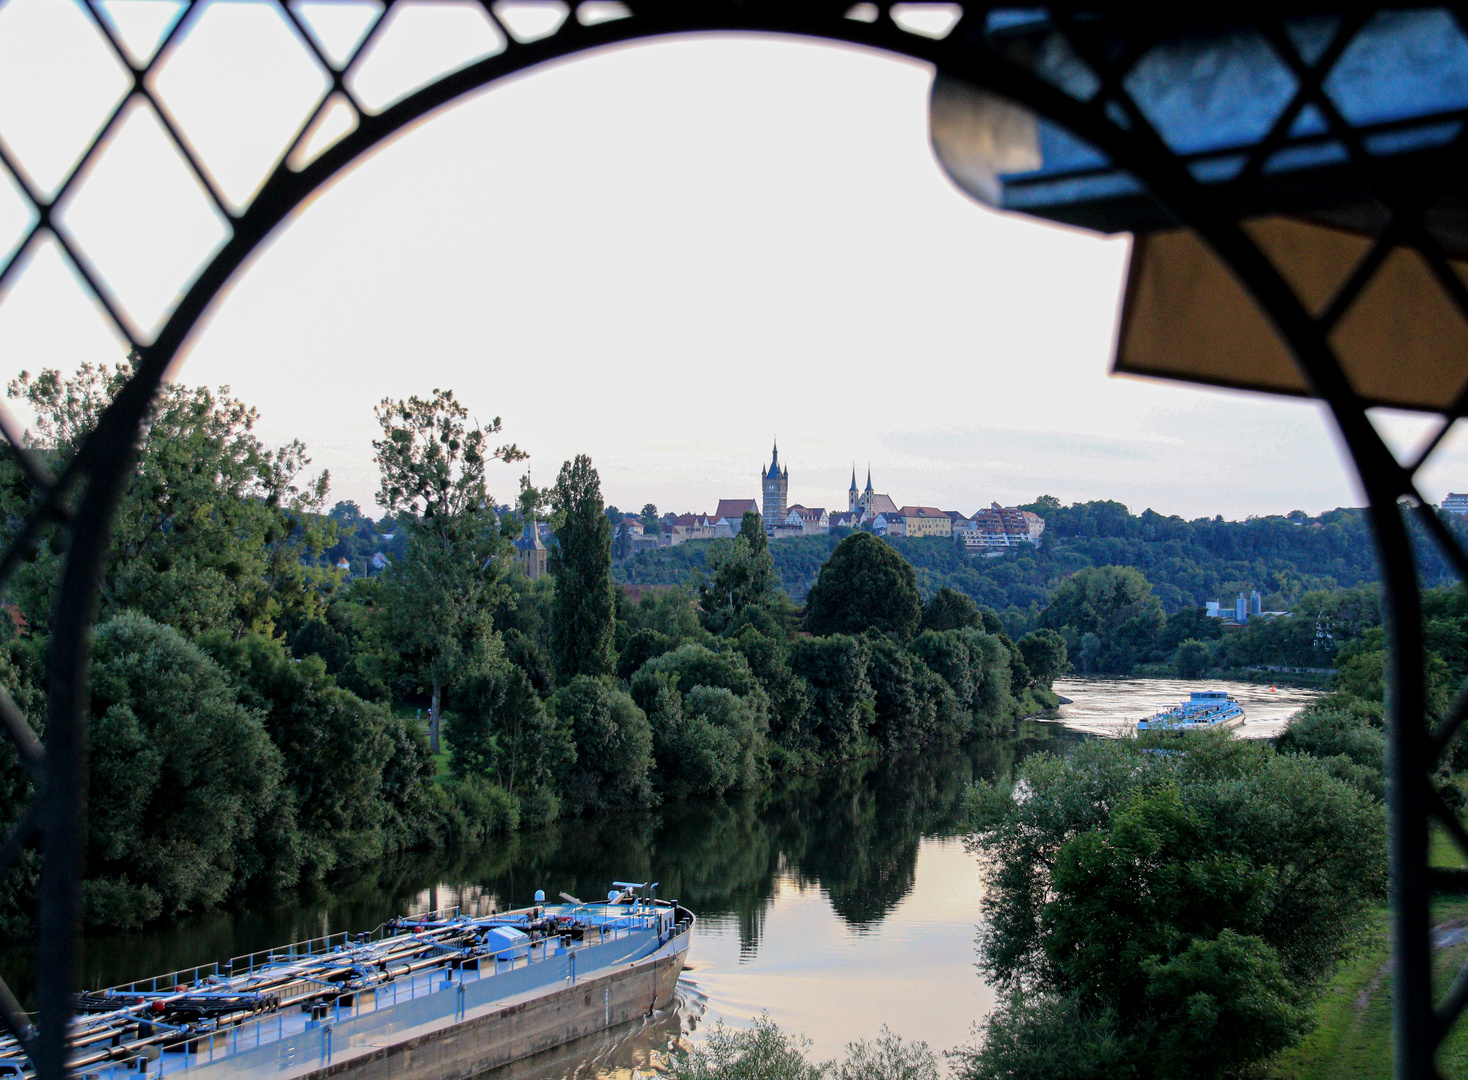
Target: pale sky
point(665, 256)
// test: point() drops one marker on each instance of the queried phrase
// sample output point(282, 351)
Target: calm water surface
point(836, 904)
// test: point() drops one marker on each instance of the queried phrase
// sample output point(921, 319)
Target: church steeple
point(869, 479)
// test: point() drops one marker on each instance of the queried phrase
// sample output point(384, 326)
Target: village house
point(809, 521)
point(925, 521)
point(730, 515)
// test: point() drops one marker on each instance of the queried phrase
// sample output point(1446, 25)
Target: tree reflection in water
point(852, 832)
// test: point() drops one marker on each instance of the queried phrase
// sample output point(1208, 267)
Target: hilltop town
point(991, 528)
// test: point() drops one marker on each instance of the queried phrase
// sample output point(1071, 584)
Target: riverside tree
point(186, 791)
point(742, 572)
point(1165, 915)
point(585, 603)
point(503, 730)
point(214, 531)
point(432, 461)
point(864, 585)
point(1107, 615)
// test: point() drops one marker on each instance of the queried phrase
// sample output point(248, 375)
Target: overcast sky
point(666, 256)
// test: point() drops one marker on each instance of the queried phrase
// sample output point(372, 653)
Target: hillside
point(1187, 562)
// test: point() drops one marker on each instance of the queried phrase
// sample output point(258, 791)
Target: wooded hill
point(1187, 562)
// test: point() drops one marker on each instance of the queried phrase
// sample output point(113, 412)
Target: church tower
point(853, 498)
point(865, 502)
point(775, 487)
point(530, 553)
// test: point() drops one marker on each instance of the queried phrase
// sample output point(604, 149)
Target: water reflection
point(852, 833)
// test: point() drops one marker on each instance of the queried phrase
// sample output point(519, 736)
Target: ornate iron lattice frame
point(80, 501)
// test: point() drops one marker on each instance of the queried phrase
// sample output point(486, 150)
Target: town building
point(530, 551)
point(921, 521)
point(684, 527)
point(845, 519)
point(808, 521)
point(1456, 504)
point(729, 516)
point(1001, 527)
point(889, 524)
point(774, 485)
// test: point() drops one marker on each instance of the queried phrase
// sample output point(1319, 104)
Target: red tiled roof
point(734, 508)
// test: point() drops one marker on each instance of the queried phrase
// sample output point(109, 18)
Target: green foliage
point(842, 699)
point(17, 886)
point(432, 460)
point(1189, 901)
point(186, 795)
point(1191, 659)
point(1114, 607)
point(741, 572)
point(1045, 656)
point(1047, 1037)
point(768, 657)
point(906, 696)
point(639, 649)
point(581, 629)
point(950, 609)
point(214, 531)
point(613, 761)
point(764, 1052)
point(1345, 738)
point(334, 747)
point(475, 810)
point(977, 667)
point(709, 716)
point(440, 595)
point(501, 729)
point(864, 585)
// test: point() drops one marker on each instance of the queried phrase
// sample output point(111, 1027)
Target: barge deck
point(438, 997)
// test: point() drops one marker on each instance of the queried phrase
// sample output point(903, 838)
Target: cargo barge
point(442, 996)
point(1203, 709)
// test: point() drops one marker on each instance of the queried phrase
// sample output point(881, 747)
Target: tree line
point(253, 704)
point(1284, 557)
point(1176, 905)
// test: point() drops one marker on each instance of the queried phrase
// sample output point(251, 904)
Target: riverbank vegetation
point(250, 694)
point(1167, 906)
point(1205, 906)
point(765, 1052)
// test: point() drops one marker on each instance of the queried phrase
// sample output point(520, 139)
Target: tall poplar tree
point(581, 632)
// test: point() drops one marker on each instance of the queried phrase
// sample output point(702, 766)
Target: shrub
point(613, 759)
point(843, 701)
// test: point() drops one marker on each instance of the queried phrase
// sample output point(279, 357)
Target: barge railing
point(130, 1042)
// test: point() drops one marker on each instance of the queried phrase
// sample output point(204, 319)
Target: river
point(836, 903)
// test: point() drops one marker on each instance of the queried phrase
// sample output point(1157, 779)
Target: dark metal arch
point(100, 470)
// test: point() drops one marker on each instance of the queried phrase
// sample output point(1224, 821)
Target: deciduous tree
point(864, 585)
point(440, 595)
